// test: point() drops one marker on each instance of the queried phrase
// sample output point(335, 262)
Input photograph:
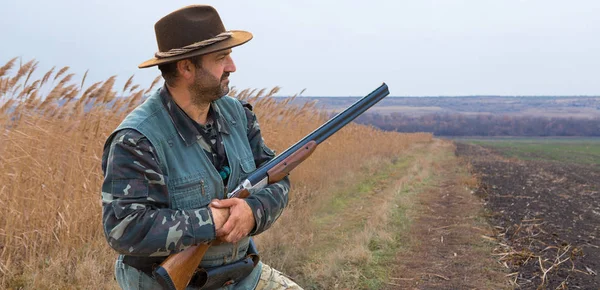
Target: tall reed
point(52, 136)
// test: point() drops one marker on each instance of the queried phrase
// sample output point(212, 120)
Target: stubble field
point(544, 205)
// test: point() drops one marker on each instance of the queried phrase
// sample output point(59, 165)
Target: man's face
point(212, 77)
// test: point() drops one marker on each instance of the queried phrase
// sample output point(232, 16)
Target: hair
point(169, 70)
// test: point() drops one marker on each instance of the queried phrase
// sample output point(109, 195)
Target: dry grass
point(50, 154)
point(549, 258)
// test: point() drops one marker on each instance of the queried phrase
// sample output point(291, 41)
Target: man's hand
point(220, 216)
point(240, 221)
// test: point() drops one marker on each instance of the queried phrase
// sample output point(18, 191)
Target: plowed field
point(546, 217)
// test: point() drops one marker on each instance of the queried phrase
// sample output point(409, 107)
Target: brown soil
point(546, 218)
point(447, 237)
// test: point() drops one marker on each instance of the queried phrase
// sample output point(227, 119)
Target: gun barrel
point(326, 130)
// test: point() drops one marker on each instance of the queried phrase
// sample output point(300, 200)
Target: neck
point(198, 111)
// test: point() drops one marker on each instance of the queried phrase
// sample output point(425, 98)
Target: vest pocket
point(190, 195)
point(247, 165)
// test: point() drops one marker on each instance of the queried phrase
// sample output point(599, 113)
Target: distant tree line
point(483, 125)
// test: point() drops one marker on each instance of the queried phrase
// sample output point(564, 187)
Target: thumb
point(222, 203)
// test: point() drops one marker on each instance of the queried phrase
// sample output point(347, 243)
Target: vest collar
point(184, 124)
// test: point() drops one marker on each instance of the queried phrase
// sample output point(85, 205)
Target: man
point(169, 164)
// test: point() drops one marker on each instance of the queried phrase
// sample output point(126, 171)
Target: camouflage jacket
point(131, 223)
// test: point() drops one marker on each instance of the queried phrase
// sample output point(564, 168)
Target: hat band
point(193, 46)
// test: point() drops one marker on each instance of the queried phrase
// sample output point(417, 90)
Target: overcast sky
point(335, 48)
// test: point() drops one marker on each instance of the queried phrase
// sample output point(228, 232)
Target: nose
point(230, 65)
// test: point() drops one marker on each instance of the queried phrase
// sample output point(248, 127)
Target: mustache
point(224, 76)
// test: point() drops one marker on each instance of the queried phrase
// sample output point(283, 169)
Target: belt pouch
point(216, 277)
point(143, 264)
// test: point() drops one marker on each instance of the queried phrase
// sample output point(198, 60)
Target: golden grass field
point(50, 174)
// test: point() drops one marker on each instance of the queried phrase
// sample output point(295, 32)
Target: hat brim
point(239, 37)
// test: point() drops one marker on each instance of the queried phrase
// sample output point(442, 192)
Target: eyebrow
point(225, 52)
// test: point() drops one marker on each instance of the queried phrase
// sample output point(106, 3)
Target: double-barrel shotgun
point(177, 270)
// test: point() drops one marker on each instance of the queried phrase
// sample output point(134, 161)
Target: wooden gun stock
point(177, 270)
point(282, 169)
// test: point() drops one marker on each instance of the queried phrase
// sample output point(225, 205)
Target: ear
point(186, 69)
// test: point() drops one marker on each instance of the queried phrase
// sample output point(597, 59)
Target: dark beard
point(206, 88)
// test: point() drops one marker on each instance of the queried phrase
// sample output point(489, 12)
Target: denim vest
point(191, 178)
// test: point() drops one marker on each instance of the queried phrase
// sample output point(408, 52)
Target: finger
point(223, 239)
point(229, 238)
point(226, 228)
point(223, 203)
point(235, 234)
point(222, 233)
point(230, 225)
point(234, 237)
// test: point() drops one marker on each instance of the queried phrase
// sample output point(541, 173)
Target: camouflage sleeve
point(135, 201)
point(268, 203)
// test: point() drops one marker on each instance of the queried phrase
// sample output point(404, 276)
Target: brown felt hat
point(179, 33)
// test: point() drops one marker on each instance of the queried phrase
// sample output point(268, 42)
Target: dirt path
point(410, 224)
point(447, 244)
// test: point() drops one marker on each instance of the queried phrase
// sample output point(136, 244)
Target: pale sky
point(335, 48)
